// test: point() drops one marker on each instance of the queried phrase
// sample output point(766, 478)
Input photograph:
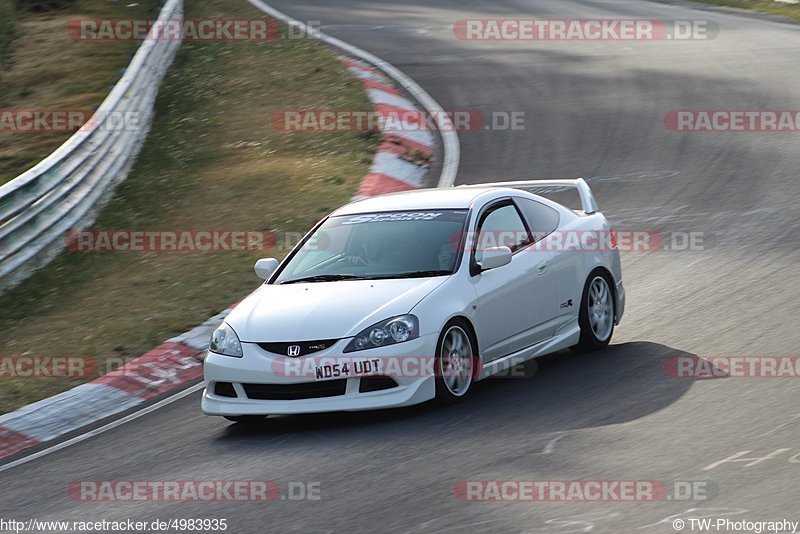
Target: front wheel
point(455, 363)
point(596, 315)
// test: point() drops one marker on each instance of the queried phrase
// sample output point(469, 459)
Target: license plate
point(348, 369)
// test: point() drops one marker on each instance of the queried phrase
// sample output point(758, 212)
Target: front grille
point(375, 383)
point(305, 347)
point(308, 390)
point(224, 389)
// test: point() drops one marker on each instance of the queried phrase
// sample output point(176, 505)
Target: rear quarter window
point(542, 220)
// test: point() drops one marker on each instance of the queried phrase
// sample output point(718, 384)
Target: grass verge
point(212, 161)
point(763, 6)
point(42, 67)
point(7, 24)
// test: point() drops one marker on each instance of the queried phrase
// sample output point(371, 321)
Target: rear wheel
point(596, 315)
point(455, 361)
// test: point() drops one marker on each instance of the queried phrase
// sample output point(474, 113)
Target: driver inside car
point(374, 250)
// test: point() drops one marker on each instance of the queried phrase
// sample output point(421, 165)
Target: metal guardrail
point(65, 191)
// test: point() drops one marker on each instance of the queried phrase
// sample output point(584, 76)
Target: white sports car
point(398, 299)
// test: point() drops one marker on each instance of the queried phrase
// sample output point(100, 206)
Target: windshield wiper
point(324, 278)
point(420, 274)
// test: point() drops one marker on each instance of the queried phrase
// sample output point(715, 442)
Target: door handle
point(541, 268)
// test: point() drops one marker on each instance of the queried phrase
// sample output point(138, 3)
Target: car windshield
point(408, 244)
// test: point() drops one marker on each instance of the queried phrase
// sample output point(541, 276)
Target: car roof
point(421, 199)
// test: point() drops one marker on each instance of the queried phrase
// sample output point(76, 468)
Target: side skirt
point(568, 336)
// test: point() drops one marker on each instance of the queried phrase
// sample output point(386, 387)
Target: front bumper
point(259, 367)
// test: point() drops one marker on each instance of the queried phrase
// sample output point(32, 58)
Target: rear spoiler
point(588, 203)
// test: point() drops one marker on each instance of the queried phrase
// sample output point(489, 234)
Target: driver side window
point(501, 226)
point(326, 245)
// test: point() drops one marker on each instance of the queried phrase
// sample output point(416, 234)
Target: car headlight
point(225, 341)
point(388, 332)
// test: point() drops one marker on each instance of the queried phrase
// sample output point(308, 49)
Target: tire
point(597, 312)
point(455, 364)
point(246, 419)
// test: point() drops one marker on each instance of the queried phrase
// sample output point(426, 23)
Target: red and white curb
point(403, 158)
point(167, 367)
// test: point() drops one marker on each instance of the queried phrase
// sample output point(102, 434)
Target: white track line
point(452, 149)
point(104, 428)
point(551, 445)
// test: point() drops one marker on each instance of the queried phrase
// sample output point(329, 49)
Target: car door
point(514, 302)
point(555, 294)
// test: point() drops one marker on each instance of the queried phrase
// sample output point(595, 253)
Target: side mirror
point(265, 267)
point(494, 257)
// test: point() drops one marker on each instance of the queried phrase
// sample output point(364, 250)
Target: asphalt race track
point(592, 109)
